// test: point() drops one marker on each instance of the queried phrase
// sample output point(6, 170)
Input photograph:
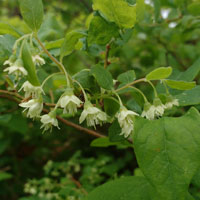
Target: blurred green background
point(61, 165)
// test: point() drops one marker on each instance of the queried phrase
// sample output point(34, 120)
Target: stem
point(59, 64)
point(155, 92)
point(145, 99)
point(50, 76)
point(17, 41)
point(165, 85)
point(120, 101)
point(106, 63)
point(84, 93)
point(130, 84)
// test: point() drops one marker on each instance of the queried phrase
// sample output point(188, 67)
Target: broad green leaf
point(54, 44)
point(111, 110)
point(168, 152)
point(4, 176)
point(180, 85)
point(32, 13)
point(103, 142)
point(8, 29)
point(101, 32)
point(118, 11)
point(127, 188)
point(29, 65)
point(194, 8)
point(159, 73)
point(114, 132)
point(190, 97)
point(70, 42)
point(127, 77)
point(103, 77)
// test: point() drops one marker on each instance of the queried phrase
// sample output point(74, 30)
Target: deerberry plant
point(167, 148)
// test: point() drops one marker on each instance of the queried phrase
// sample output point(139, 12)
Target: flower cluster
point(158, 108)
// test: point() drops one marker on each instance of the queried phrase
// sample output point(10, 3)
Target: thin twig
point(78, 184)
point(106, 62)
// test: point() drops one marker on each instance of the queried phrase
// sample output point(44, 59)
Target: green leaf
point(103, 142)
point(118, 11)
point(54, 44)
point(70, 42)
point(194, 8)
point(5, 176)
point(8, 29)
point(101, 32)
point(127, 77)
point(140, 9)
point(190, 97)
point(180, 85)
point(190, 74)
point(127, 188)
point(114, 132)
point(29, 65)
point(168, 152)
point(159, 73)
point(111, 110)
point(157, 8)
point(103, 77)
point(85, 78)
point(32, 13)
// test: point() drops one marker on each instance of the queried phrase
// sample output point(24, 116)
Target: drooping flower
point(126, 120)
point(149, 111)
point(49, 120)
point(69, 102)
point(34, 107)
point(159, 107)
point(16, 68)
point(30, 90)
point(92, 115)
point(170, 102)
point(38, 60)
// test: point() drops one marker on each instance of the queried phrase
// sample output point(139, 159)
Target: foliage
point(124, 71)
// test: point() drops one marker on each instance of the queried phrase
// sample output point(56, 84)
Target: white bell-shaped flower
point(49, 120)
point(126, 121)
point(170, 102)
point(38, 60)
point(69, 102)
point(16, 68)
point(34, 107)
point(92, 115)
point(159, 107)
point(10, 61)
point(30, 90)
point(149, 111)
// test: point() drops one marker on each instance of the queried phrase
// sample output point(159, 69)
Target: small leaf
point(159, 73)
point(118, 11)
point(29, 65)
point(103, 142)
point(103, 77)
point(111, 110)
point(32, 13)
point(54, 44)
point(127, 188)
point(101, 32)
point(140, 9)
point(70, 42)
point(127, 77)
point(5, 176)
point(180, 85)
point(114, 132)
